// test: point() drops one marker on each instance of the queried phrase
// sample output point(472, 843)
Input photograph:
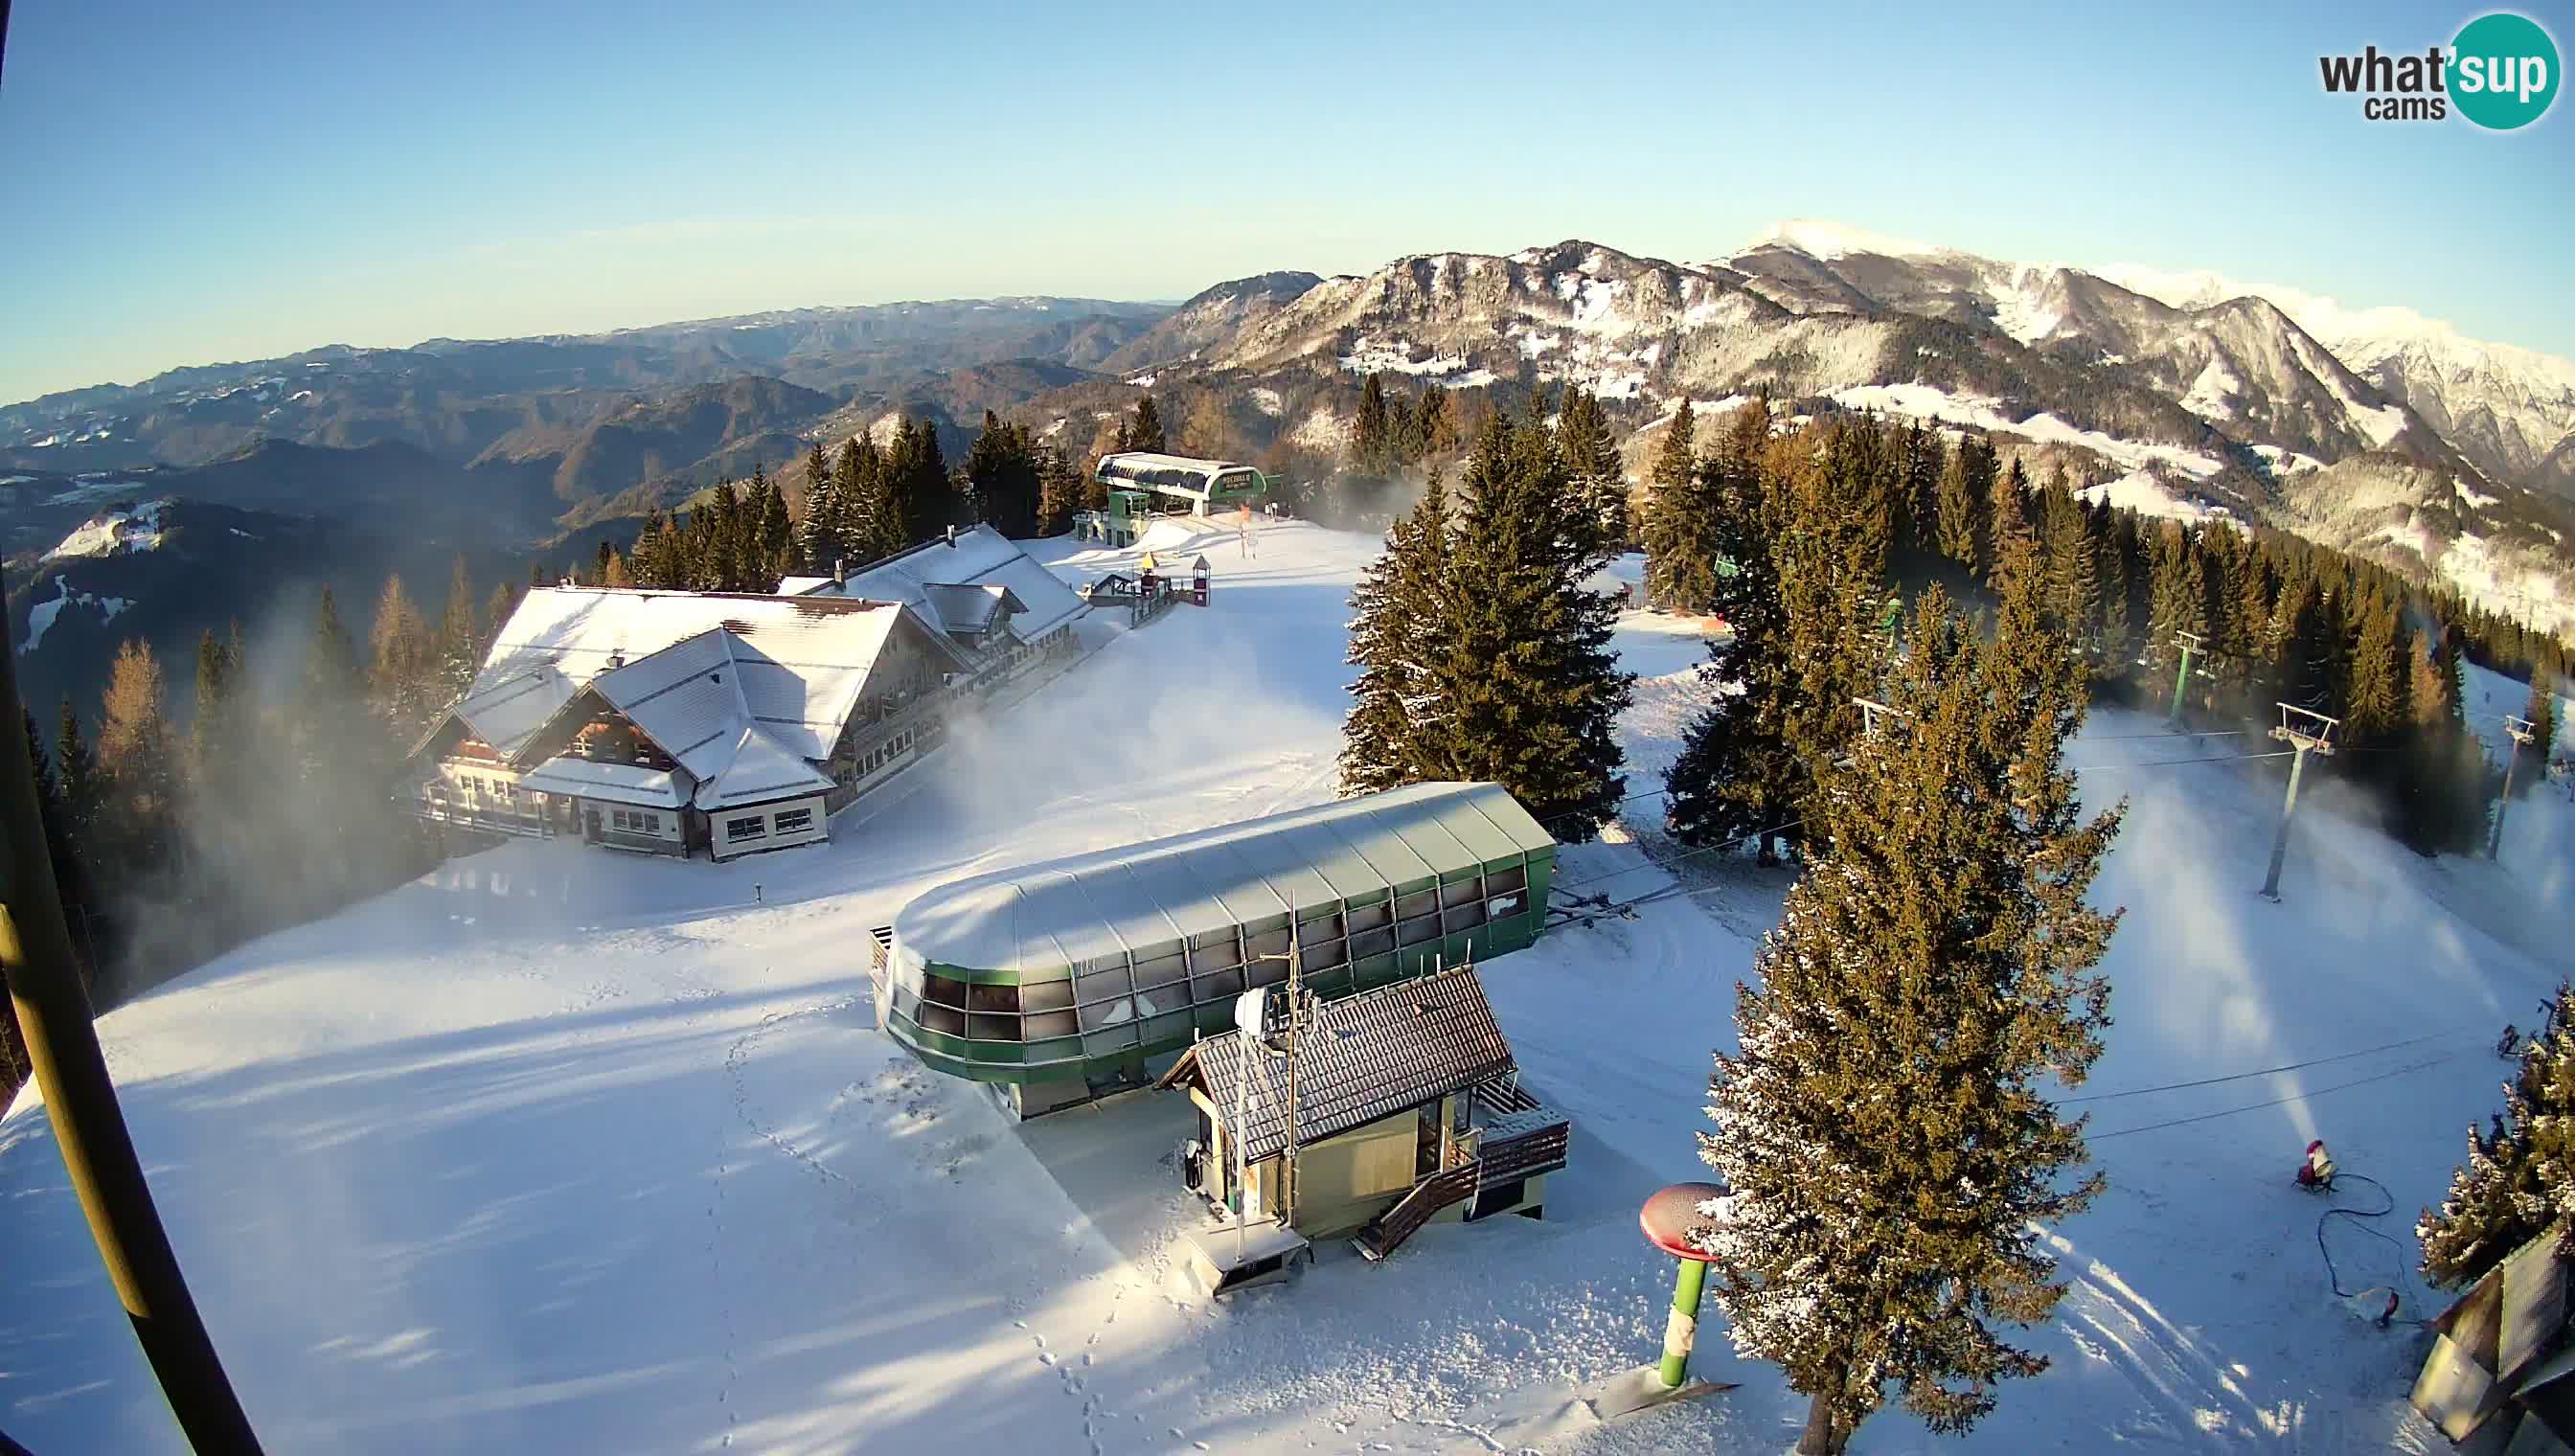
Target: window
point(1458, 893)
point(617, 819)
point(749, 827)
point(795, 821)
point(648, 824)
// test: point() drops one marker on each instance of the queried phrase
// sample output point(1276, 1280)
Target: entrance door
point(1426, 1143)
point(590, 825)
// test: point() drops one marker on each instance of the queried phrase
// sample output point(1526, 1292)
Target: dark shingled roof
point(1367, 1057)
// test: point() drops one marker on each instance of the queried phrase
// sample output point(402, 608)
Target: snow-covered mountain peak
point(1825, 240)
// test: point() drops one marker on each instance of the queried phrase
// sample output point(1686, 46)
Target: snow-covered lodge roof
point(746, 691)
point(953, 583)
point(1369, 1055)
point(1139, 899)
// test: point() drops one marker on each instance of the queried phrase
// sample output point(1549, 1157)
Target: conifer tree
point(213, 727)
point(1599, 478)
point(1682, 556)
point(1434, 424)
point(2177, 593)
point(458, 648)
point(1884, 1131)
point(139, 760)
point(1004, 472)
point(2119, 594)
point(1400, 613)
point(71, 880)
point(76, 768)
point(403, 664)
point(2519, 1172)
point(496, 613)
point(1143, 433)
point(1830, 555)
point(775, 535)
point(1917, 510)
point(1735, 770)
point(2073, 570)
point(1965, 478)
point(2008, 530)
point(2541, 713)
point(1373, 432)
point(1528, 688)
point(820, 510)
point(599, 563)
point(1059, 492)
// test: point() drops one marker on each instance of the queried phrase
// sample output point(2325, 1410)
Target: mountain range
point(2184, 393)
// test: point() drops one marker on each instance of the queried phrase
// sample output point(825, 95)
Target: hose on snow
point(2333, 1275)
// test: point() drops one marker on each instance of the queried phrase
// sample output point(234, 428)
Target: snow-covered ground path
point(558, 1150)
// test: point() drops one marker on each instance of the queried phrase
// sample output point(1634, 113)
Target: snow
point(41, 615)
point(1144, 381)
point(2286, 461)
point(558, 1150)
point(1828, 241)
point(2140, 492)
point(135, 530)
point(2021, 307)
point(1266, 401)
point(1395, 355)
point(2211, 392)
point(1927, 403)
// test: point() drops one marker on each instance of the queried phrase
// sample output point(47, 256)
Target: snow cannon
point(2316, 1174)
point(1668, 1218)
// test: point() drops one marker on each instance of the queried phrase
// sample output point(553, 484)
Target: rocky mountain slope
point(2168, 398)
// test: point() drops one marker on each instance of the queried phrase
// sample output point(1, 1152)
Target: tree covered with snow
point(2519, 1173)
point(1885, 1124)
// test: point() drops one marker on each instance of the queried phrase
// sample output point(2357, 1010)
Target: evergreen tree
point(774, 535)
point(1884, 1131)
point(84, 785)
point(1599, 478)
point(2008, 532)
point(1434, 424)
point(822, 507)
point(1400, 613)
point(71, 880)
point(1003, 469)
point(1373, 432)
point(1917, 510)
point(458, 648)
point(1965, 480)
point(2074, 592)
point(1681, 554)
point(1059, 492)
point(1830, 554)
point(2177, 593)
point(212, 731)
point(496, 614)
point(1526, 689)
point(1735, 768)
point(2519, 1173)
point(2120, 616)
point(1143, 433)
point(2541, 713)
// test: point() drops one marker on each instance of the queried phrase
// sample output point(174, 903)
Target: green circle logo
point(2504, 71)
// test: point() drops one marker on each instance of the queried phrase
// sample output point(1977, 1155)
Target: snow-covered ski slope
point(558, 1150)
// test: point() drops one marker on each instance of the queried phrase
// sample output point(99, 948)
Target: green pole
point(2181, 680)
point(1683, 1328)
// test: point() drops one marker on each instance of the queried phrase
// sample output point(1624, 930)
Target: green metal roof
point(1148, 899)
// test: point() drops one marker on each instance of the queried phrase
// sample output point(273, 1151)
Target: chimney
point(952, 538)
point(616, 660)
point(841, 570)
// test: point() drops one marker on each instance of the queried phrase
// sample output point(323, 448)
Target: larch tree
point(1884, 1128)
point(140, 759)
point(403, 660)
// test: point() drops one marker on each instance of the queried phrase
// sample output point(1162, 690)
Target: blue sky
point(191, 183)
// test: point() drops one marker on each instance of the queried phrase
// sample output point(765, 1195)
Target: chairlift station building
point(1058, 981)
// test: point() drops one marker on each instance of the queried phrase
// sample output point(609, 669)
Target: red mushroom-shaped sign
point(1669, 1215)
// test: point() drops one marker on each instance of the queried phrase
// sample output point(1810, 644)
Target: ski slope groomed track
point(558, 1150)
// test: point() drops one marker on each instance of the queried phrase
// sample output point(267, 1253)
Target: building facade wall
point(750, 829)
